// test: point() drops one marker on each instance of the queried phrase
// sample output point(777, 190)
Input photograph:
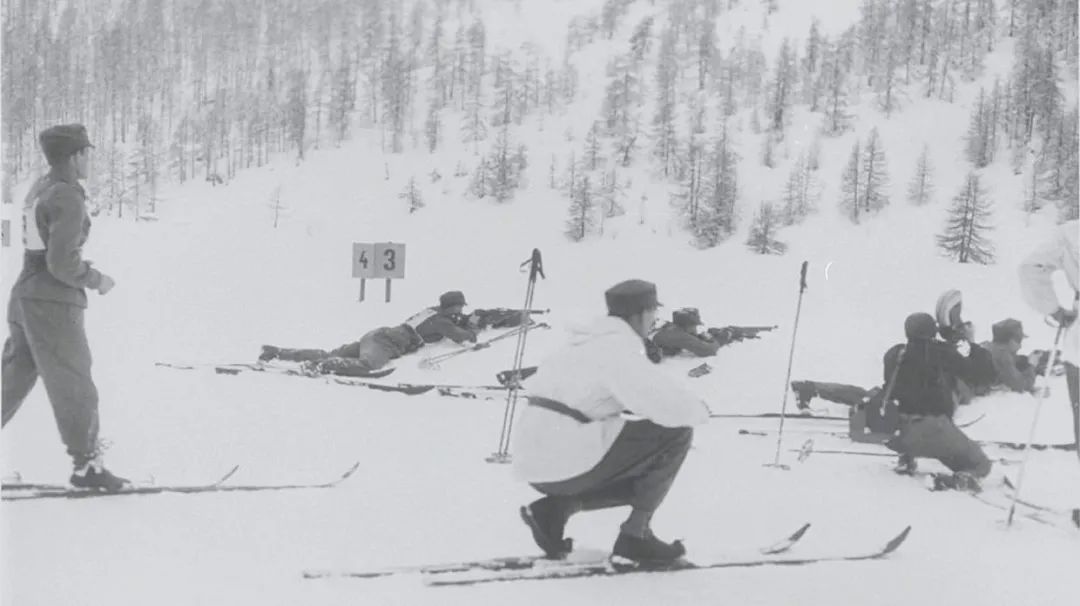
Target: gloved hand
point(652, 351)
point(1064, 317)
point(964, 347)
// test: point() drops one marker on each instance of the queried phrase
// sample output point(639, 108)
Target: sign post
point(378, 260)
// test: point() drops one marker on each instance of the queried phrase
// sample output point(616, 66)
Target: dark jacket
point(672, 339)
point(442, 324)
point(1006, 371)
point(927, 377)
point(56, 228)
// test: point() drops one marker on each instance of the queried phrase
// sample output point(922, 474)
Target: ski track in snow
point(211, 281)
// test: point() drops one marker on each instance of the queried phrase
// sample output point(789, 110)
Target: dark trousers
point(841, 393)
point(351, 359)
point(937, 437)
point(637, 470)
point(49, 339)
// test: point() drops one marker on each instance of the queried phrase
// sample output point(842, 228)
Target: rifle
point(738, 333)
point(500, 317)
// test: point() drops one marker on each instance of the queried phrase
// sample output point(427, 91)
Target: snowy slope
point(211, 280)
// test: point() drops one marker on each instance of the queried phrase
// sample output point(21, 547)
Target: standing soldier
point(575, 446)
point(45, 314)
point(1058, 253)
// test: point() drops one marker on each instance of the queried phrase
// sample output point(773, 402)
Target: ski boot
point(906, 465)
point(93, 475)
point(646, 552)
point(311, 368)
point(546, 518)
point(960, 480)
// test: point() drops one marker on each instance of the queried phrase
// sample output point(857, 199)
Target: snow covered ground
point(211, 280)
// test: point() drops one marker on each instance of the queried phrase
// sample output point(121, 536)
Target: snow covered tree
point(582, 216)
point(720, 192)
point(800, 194)
point(474, 127)
point(782, 89)
point(762, 238)
point(834, 88)
point(592, 156)
point(433, 128)
point(921, 187)
point(664, 137)
point(411, 195)
point(967, 226)
point(874, 174)
point(276, 205)
point(851, 184)
point(982, 130)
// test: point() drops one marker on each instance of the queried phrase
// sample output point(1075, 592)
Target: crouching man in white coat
point(573, 444)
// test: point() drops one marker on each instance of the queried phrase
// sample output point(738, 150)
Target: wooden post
point(363, 282)
point(388, 290)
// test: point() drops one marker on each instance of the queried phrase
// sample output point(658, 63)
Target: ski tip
point(800, 532)
point(351, 471)
point(228, 475)
point(896, 541)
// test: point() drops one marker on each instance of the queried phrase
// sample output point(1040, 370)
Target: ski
point(610, 568)
point(235, 368)
point(867, 453)
point(432, 362)
point(68, 492)
point(775, 415)
point(514, 563)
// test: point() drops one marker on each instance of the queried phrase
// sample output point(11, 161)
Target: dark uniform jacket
point(672, 338)
point(927, 377)
point(56, 226)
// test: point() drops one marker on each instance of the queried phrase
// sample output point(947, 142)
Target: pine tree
point(965, 235)
point(921, 188)
point(874, 174)
point(851, 195)
point(582, 215)
point(781, 89)
point(664, 138)
point(411, 195)
point(277, 205)
point(433, 128)
point(762, 239)
point(592, 155)
point(834, 87)
point(720, 192)
point(800, 194)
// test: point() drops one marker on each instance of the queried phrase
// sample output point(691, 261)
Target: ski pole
point(502, 455)
point(791, 357)
point(1040, 395)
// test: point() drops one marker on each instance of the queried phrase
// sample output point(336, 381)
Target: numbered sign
point(364, 260)
point(389, 260)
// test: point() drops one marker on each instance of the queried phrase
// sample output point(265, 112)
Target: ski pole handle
point(802, 277)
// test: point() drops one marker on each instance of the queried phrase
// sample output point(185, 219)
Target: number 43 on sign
point(378, 260)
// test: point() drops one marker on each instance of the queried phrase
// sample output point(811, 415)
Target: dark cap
point(920, 326)
point(1007, 330)
point(452, 298)
point(630, 297)
point(59, 142)
point(687, 317)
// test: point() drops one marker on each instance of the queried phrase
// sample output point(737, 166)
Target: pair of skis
point(20, 491)
point(593, 564)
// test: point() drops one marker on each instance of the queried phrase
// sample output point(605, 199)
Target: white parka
point(1057, 253)
point(601, 372)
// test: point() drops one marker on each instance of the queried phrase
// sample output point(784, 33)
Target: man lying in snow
point(684, 333)
point(376, 348)
point(574, 445)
